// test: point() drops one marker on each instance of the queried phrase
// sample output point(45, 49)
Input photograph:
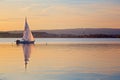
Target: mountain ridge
point(67, 33)
point(80, 31)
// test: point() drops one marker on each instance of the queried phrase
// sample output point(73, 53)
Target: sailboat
point(27, 35)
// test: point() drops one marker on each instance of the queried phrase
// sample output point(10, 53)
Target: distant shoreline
point(49, 35)
point(67, 33)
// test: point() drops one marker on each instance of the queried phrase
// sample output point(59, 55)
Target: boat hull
point(24, 42)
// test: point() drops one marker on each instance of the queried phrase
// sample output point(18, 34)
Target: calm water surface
point(60, 59)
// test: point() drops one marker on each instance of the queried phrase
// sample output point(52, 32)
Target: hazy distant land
point(67, 33)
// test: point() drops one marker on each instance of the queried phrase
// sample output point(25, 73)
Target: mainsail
point(27, 35)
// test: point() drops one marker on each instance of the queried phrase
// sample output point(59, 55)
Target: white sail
point(27, 35)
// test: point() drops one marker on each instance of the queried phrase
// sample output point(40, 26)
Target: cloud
point(85, 15)
point(75, 13)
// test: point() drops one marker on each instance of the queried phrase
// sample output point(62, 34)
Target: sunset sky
point(59, 14)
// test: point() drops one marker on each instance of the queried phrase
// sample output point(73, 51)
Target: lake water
point(60, 59)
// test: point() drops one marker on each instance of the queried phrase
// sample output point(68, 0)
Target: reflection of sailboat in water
point(27, 52)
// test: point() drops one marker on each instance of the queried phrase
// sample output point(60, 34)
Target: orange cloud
point(60, 16)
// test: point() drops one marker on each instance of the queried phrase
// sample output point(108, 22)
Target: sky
point(59, 14)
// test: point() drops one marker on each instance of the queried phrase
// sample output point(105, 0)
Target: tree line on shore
point(48, 35)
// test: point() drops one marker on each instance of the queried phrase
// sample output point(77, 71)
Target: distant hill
point(83, 31)
point(68, 33)
point(78, 31)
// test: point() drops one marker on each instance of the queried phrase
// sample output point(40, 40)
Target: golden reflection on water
point(27, 52)
point(60, 58)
